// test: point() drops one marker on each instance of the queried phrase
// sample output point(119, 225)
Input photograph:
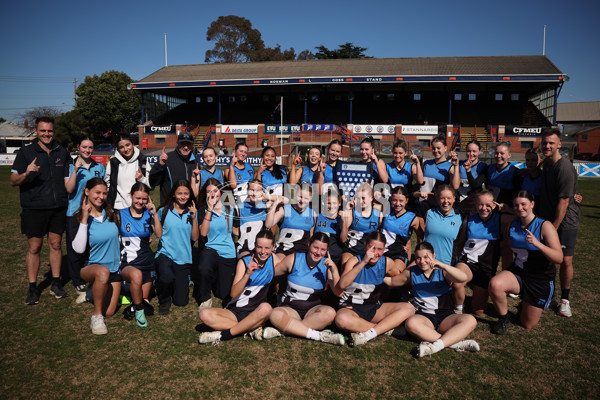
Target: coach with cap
point(175, 165)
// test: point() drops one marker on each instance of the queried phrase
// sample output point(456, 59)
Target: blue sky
point(45, 45)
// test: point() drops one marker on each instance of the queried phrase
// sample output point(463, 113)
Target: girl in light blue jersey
point(272, 175)
point(239, 173)
point(309, 173)
point(325, 178)
point(98, 232)
point(210, 170)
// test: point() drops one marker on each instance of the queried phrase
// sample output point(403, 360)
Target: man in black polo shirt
point(558, 205)
point(40, 170)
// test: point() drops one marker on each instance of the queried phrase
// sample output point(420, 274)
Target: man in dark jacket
point(40, 170)
point(175, 165)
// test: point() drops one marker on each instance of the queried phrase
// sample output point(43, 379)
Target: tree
point(106, 104)
point(273, 54)
point(43, 111)
point(235, 40)
point(346, 50)
point(70, 127)
point(306, 55)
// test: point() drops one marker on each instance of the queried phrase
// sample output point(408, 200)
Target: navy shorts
point(239, 313)
point(365, 311)
point(482, 274)
point(38, 223)
point(537, 293)
point(114, 277)
point(148, 273)
point(436, 319)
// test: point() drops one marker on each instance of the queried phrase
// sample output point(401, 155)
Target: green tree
point(274, 54)
point(235, 40)
point(70, 127)
point(106, 103)
point(306, 55)
point(346, 50)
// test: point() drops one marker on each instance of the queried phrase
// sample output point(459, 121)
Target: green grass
point(48, 350)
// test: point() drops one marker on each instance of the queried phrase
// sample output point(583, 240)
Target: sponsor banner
point(224, 161)
point(523, 131)
point(239, 129)
point(373, 129)
point(7, 159)
point(321, 127)
point(419, 129)
point(160, 129)
point(283, 129)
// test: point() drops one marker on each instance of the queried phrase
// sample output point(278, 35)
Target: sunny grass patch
point(48, 350)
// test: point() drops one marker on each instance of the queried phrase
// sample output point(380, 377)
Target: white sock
point(314, 335)
point(370, 334)
point(438, 345)
point(459, 307)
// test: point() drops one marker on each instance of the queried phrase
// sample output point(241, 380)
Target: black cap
point(185, 137)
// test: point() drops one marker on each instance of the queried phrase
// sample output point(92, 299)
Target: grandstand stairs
point(468, 133)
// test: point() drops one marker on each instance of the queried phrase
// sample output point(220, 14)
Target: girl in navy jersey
point(253, 213)
point(296, 221)
point(83, 169)
point(272, 175)
point(310, 173)
point(174, 255)
point(397, 227)
point(503, 179)
point(434, 322)
point(472, 176)
point(239, 173)
point(98, 232)
point(358, 220)
point(325, 178)
point(367, 154)
point(210, 170)
point(536, 249)
point(248, 310)
point(302, 313)
point(137, 259)
point(532, 174)
point(436, 172)
point(360, 286)
point(401, 172)
point(481, 252)
point(216, 266)
point(329, 222)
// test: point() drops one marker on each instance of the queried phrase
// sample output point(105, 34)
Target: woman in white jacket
point(125, 168)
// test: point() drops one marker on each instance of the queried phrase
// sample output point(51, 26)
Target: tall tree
point(71, 126)
point(306, 55)
point(106, 103)
point(273, 54)
point(235, 40)
point(346, 50)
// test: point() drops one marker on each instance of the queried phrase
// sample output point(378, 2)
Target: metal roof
point(578, 111)
point(343, 71)
point(9, 128)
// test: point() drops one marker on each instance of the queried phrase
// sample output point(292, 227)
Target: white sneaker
point(213, 337)
point(425, 349)
point(333, 338)
point(357, 339)
point(270, 333)
point(98, 326)
point(81, 298)
point(513, 295)
point(565, 308)
point(256, 334)
point(205, 304)
point(465, 345)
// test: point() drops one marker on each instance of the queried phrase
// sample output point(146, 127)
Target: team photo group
point(321, 249)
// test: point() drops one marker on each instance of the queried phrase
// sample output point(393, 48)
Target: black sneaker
point(165, 308)
point(81, 288)
point(500, 327)
point(58, 291)
point(148, 308)
point(129, 312)
point(33, 297)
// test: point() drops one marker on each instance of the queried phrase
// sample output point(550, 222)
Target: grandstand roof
point(424, 69)
point(578, 112)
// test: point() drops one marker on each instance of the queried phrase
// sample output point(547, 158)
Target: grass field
point(48, 350)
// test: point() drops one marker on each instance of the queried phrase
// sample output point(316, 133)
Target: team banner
point(160, 129)
point(282, 129)
point(375, 129)
point(239, 129)
point(321, 127)
point(419, 129)
point(523, 131)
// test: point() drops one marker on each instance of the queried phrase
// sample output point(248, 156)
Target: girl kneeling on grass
point(302, 313)
point(536, 247)
point(137, 259)
point(248, 310)
point(434, 322)
point(174, 255)
point(99, 232)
